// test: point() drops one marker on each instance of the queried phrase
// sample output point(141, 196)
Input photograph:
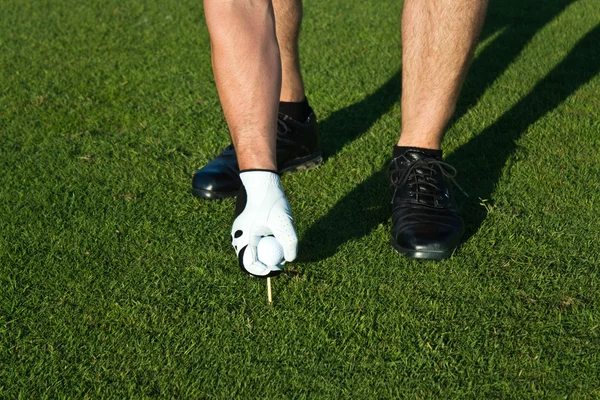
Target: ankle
point(297, 110)
point(428, 138)
point(420, 142)
point(292, 91)
point(400, 150)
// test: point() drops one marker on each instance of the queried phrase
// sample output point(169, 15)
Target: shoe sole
point(300, 164)
point(211, 195)
point(303, 164)
point(421, 255)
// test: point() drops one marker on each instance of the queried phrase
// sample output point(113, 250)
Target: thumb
point(248, 254)
point(253, 248)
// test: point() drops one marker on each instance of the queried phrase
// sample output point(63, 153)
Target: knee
point(236, 6)
point(221, 15)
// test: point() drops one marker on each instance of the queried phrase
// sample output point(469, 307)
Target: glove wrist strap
point(259, 178)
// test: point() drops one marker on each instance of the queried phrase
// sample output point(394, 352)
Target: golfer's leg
point(247, 72)
point(288, 17)
point(438, 38)
point(298, 148)
point(247, 69)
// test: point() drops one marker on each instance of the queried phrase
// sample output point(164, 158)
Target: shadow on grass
point(481, 160)
point(347, 124)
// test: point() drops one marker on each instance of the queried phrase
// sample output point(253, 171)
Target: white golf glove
point(264, 211)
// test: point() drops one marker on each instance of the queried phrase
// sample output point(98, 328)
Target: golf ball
point(269, 251)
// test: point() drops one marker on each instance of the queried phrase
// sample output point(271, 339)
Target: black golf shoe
point(426, 223)
point(297, 150)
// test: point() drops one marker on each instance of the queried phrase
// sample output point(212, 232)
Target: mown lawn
point(116, 282)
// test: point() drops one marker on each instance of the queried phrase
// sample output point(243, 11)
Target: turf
point(116, 283)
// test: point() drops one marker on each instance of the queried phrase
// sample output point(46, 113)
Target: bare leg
point(438, 39)
point(288, 17)
point(257, 70)
point(247, 68)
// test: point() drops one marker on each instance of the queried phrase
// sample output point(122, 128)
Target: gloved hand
point(261, 210)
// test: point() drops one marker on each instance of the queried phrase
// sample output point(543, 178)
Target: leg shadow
point(347, 124)
point(480, 160)
point(518, 21)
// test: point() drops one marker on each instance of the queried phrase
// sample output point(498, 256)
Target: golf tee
point(269, 294)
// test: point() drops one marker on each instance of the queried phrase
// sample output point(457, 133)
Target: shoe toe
point(433, 238)
point(216, 182)
point(427, 235)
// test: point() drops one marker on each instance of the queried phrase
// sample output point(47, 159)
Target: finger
point(288, 239)
point(261, 270)
point(247, 257)
point(246, 249)
point(253, 247)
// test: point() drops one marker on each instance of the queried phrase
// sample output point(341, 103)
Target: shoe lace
point(282, 127)
point(284, 132)
point(418, 177)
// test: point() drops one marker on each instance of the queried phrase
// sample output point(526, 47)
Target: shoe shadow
point(482, 159)
point(353, 217)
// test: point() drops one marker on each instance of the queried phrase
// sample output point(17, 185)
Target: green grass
point(116, 282)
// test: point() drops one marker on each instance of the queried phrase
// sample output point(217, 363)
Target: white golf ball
point(269, 251)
